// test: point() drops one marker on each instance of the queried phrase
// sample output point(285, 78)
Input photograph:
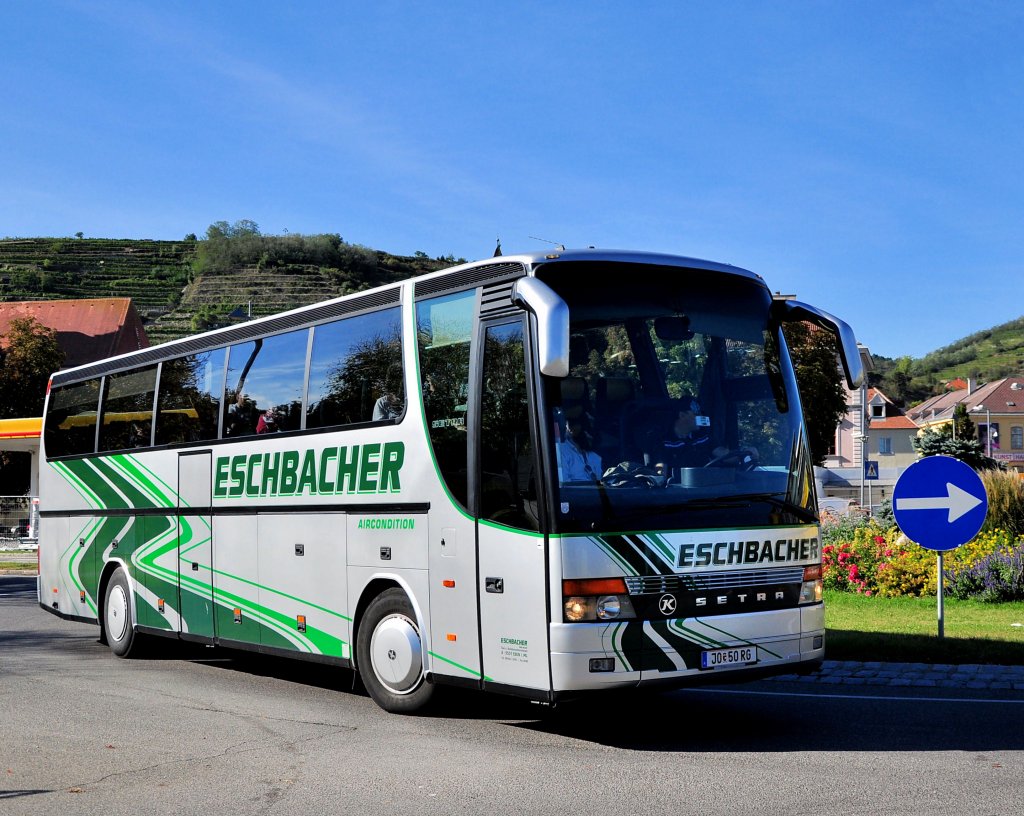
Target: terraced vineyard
point(149, 272)
point(171, 298)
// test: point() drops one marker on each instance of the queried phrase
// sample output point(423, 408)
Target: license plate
point(740, 655)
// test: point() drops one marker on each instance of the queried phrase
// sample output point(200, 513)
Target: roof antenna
point(546, 241)
point(497, 249)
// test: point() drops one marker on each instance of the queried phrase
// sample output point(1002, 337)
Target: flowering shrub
point(869, 557)
point(997, 576)
point(907, 569)
point(851, 554)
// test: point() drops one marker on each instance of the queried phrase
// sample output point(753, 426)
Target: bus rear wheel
point(389, 654)
point(117, 616)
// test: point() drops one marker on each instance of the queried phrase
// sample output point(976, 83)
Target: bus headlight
point(614, 607)
point(810, 589)
point(592, 599)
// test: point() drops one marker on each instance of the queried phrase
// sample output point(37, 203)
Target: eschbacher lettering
point(372, 468)
point(735, 553)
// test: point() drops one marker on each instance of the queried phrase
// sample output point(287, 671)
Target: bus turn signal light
point(811, 588)
point(594, 586)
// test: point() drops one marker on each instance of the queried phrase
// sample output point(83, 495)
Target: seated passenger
point(242, 417)
point(578, 463)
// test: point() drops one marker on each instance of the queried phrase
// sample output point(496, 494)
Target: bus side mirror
point(793, 311)
point(552, 315)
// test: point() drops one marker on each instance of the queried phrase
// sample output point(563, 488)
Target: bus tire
point(117, 616)
point(389, 654)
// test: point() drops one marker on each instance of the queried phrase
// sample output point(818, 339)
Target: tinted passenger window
point(265, 383)
point(355, 373)
point(190, 394)
point(445, 327)
point(128, 410)
point(71, 419)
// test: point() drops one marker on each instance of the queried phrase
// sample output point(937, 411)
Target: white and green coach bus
point(536, 474)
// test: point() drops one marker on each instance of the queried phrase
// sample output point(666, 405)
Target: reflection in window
point(444, 328)
point(71, 419)
point(264, 385)
point(508, 489)
point(355, 372)
point(190, 394)
point(128, 410)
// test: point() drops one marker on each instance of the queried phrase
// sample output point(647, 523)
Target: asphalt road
point(193, 730)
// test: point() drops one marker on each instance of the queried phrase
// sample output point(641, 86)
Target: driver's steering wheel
point(742, 459)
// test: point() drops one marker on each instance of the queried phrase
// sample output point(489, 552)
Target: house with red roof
point(87, 330)
point(997, 410)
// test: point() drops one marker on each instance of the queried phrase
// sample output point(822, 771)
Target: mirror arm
point(552, 315)
point(793, 311)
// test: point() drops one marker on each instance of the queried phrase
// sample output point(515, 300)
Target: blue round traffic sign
point(940, 502)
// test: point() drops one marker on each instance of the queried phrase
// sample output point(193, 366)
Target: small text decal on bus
point(373, 468)
point(735, 553)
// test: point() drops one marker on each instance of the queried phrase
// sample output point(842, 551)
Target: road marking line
point(895, 698)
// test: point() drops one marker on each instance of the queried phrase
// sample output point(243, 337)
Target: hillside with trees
point(984, 356)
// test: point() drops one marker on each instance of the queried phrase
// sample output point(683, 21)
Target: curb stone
point(906, 675)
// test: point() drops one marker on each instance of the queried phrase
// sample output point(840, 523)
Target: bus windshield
point(680, 410)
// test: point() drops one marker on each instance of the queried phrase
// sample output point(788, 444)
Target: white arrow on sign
point(957, 501)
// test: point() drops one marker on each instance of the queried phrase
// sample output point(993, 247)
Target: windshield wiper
point(717, 502)
point(771, 498)
point(713, 503)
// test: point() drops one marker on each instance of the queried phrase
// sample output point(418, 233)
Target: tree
point(815, 358)
point(940, 442)
point(963, 427)
point(30, 354)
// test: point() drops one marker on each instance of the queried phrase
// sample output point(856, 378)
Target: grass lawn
point(906, 630)
point(18, 567)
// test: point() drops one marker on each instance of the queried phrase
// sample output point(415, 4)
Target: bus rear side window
point(128, 410)
point(71, 419)
point(190, 389)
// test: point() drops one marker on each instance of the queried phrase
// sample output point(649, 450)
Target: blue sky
point(866, 156)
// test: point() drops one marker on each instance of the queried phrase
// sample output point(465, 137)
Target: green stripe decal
point(466, 669)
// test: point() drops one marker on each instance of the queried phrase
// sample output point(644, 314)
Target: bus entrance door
point(195, 544)
point(512, 556)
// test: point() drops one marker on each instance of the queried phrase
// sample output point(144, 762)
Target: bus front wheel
point(117, 616)
point(389, 654)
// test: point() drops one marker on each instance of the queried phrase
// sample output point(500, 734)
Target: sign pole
point(940, 503)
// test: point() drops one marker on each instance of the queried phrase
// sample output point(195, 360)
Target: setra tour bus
point(540, 474)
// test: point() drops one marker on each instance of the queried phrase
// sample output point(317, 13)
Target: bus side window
point(445, 330)
point(190, 389)
point(356, 364)
point(265, 382)
point(128, 410)
point(71, 419)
